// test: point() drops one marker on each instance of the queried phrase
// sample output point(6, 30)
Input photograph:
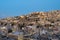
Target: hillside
point(34, 18)
point(31, 26)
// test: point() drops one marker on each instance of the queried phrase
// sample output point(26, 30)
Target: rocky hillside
point(37, 25)
point(52, 17)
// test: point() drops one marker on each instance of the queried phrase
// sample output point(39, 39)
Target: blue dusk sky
point(21, 7)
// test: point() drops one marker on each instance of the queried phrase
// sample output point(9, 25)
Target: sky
point(22, 7)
